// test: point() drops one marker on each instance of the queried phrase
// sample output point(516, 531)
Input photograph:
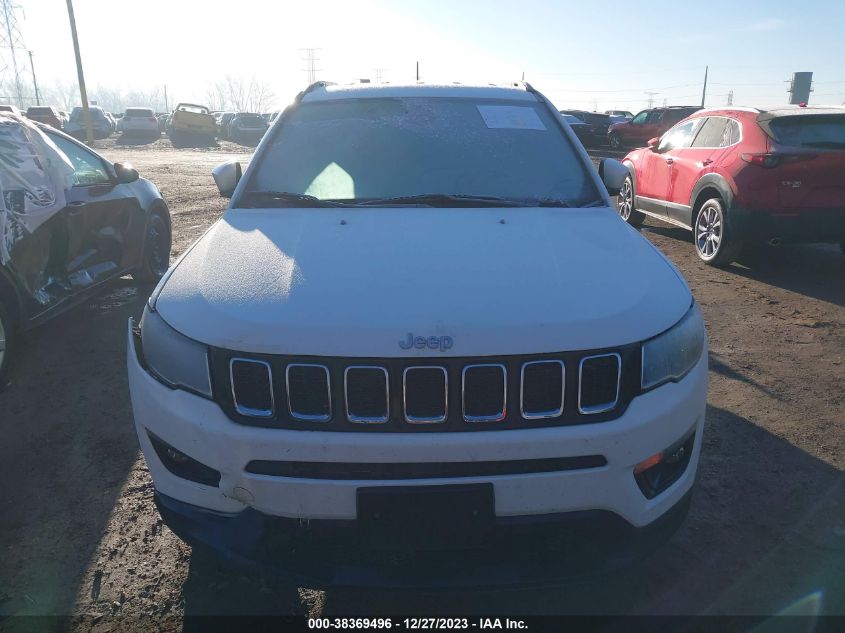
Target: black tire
point(157, 242)
point(615, 141)
point(625, 204)
point(714, 243)
point(7, 345)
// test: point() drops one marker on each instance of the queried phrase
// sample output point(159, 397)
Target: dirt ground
point(80, 535)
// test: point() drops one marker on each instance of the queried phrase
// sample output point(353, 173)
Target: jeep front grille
point(426, 394)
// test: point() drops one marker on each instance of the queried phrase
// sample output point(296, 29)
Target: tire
point(7, 345)
point(615, 141)
point(714, 243)
point(157, 242)
point(625, 204)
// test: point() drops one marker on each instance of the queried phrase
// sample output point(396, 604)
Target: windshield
point(192, 108)
point(249, 120)
point(139, 112)
point(96, 113)
point(378, 148)
point(810, 130)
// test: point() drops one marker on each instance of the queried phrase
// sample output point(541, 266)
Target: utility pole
point(86, 113)
point(10, 38)
point(311, 60)
point(34, 81)
point(651, 94)
point(166, 108)
point(704, 90)
point(418, 71)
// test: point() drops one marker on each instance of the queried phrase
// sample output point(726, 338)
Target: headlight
point(672, 354)
point(175, 359)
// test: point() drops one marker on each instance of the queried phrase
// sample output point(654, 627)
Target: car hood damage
point(355, 282)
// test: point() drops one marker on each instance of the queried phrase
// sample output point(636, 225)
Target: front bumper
point(239, 515)
point(791, 226)
point(523, 551)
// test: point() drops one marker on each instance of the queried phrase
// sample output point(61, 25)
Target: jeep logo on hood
point(431, 342)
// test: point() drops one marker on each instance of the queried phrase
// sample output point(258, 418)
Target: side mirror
point(125, 173)
point(653, 143)
point(227, 176)
point(613, 174)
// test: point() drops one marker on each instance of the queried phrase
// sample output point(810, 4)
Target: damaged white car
point(421, 349)
point(69, 221)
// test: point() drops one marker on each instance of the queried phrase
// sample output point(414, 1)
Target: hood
point(355, 282)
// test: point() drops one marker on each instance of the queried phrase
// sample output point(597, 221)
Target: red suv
point(736, 175)
point(647, 124)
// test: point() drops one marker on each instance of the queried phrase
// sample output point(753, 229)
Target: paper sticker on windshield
point(510, 117)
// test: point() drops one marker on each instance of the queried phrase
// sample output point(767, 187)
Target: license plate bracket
point(461, 515)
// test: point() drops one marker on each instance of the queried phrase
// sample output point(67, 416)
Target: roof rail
point(316, 85)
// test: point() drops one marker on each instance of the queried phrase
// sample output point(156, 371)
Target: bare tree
point(240, 94)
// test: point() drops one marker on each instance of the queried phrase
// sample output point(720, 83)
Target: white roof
point(370, 91)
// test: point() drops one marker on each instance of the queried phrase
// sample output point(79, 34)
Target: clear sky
point(582, 54)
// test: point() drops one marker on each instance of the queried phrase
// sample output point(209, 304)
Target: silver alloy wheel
point(625, 201)
point(615, 142)
point(708, 232)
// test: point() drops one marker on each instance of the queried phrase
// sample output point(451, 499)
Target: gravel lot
point(80, 536)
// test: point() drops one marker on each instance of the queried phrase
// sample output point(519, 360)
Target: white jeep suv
point(421, 348)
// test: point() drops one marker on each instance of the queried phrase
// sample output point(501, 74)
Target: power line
point(11, 40)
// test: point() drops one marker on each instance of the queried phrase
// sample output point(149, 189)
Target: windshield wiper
point(566, 204)
point(258, 199)
point(442, 200)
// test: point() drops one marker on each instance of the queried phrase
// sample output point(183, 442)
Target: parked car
point(139, 122)
point(191, 123)
point(597, 126)
point(246, 128)
point(647, 124)
point(409, 332)
point(10, 108)
point(579, 127)
point(625, 114)
point(101, 127)
point(739, 175)
point(112, 122)
point(114, 224)
point(45, 114)
point(223, 120)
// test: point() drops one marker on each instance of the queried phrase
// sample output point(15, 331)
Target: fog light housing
point(661, 470)
point(179, 464)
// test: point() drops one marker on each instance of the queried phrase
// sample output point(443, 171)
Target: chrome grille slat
point(241, 408)
point(431, 419)
point(303, 415)
point(542, 414)
point(601, 407)
point(364, 419)
point(501, 412)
